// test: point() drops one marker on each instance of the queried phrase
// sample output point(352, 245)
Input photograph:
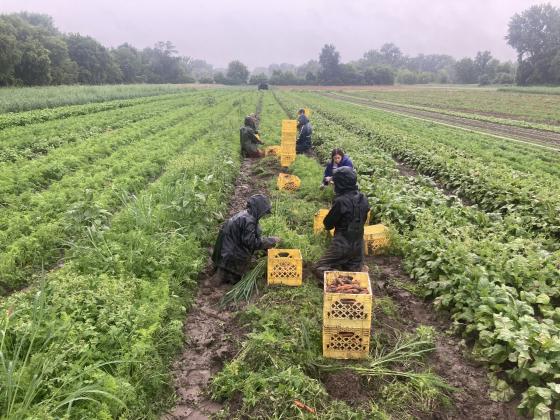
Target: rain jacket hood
point(258, 205)
point(345, 180)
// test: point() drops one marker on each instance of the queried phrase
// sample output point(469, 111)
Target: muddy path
point(549, 139)
point(212, 337)
point(450, 359)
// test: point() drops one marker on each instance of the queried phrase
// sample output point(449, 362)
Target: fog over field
point(260, 33)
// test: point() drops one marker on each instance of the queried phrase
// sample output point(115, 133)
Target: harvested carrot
point(303, 406)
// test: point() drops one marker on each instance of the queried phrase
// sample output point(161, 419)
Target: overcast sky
point(266, 31)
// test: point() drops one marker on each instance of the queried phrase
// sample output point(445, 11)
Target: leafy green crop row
point(492, 185)
point(42, 115)
point(35, 140)
point(497, 280)
point(506, 103)
point(20, 99)
point(474, 116)
point(33, 176)
point(110, 320)
point(36, 229)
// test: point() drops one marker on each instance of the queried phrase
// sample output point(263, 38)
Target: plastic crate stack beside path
point(287, 182)
point(288, 142)
point(284, 266)
point(347, 318)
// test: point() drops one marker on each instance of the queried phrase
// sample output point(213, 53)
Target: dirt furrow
point(544, 138)
point(211, 335)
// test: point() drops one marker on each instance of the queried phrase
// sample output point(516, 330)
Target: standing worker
point(303, 143)
point(249, 139)
point(238, 239)
point(338, 160)
point(347, 216)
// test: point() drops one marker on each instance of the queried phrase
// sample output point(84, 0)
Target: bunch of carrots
point(347, 284)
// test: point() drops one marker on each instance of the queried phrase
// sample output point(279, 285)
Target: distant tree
point(34, 65)
point(407, 77)
point(237, 73)
point(310, 78)
point(163, 65)
point(329, 60)
point(220, 78)
point(379, 75)
point(465, 71)
point(97, 65)
point(129, 60)
point(255, 79)
point(200, 69)
point(535, 34)
point(391, 55)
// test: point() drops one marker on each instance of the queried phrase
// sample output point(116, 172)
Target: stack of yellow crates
point(346, 315)
point(288, 142)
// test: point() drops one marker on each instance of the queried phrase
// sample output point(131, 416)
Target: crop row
point(115, 310)
point(499, 283)
point(35, 233)
point(41, 115)
point(492, 185)
point(19, 99)
point(470, 115)
point(33, 176)
point(520, 156)
point(35, 140)
point(508, 105)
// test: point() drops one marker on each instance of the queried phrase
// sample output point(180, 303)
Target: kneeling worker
point(238, 239)
point(347, 216)
point(249, 139)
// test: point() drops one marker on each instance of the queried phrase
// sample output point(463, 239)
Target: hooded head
point(258, 205)
point(249, 121)
point(345, 179)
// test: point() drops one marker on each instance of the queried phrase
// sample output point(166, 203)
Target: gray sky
point(267, 31)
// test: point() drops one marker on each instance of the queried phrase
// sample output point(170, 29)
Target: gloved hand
point(328, 179)
point(275, 239)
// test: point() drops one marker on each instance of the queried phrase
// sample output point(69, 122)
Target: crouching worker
point(347, 216)
point(338, 160)
point(249, 139)
point(238, 239)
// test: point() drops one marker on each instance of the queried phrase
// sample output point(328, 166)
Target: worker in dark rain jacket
point(347, 216)
point(249, 139)
point(338, 160)
point(238, 239)
point(303, 143)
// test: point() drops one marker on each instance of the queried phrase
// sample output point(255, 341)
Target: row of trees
point(387, 66)
point(34, 52)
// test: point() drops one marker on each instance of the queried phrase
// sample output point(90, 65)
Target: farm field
point(504, 103)
point(110, 204)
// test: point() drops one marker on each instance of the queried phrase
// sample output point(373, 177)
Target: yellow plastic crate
point(288, 149)
point(288, 138)
point(318, 226)
point(345, 343)
point(376, 238)
point(307, 112)
point(289, 125)
point(287, 159)
point(272, 150)
point(284, 266)
point(288, 182)
point(347, 310)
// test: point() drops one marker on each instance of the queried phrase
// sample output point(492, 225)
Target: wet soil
point(212, 337)
point(530, 135)
point(450, 359)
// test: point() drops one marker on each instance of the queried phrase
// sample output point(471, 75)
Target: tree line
point(34, 52)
